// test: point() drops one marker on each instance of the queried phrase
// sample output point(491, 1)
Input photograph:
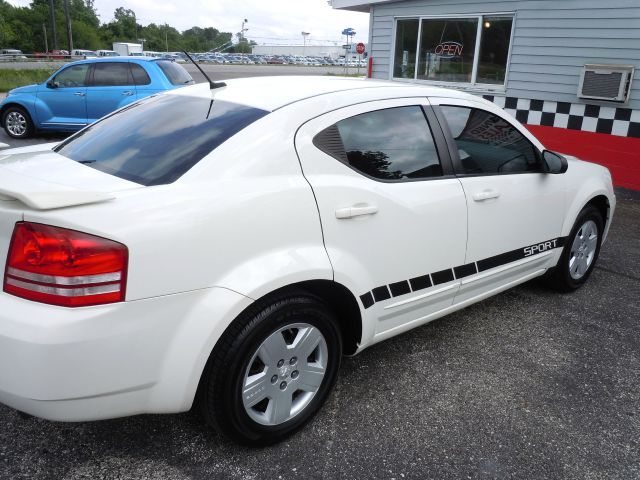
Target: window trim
point(439, 140)
point(473, 85)
point(453, 149)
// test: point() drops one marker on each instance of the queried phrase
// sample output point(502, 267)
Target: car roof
point(285, 90)
point(115, 59)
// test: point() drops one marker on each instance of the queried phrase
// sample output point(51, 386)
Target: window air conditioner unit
point(606, 82)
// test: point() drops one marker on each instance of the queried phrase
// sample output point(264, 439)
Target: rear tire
point(17, 122)
point(272, 370)
point(580, 253)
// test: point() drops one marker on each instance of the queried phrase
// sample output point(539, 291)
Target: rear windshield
point(176, 74)
point(156, 140)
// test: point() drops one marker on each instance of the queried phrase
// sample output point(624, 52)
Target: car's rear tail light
point(370, 68)
point(65, 267)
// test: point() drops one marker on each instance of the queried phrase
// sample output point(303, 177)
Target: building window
point(468, 50)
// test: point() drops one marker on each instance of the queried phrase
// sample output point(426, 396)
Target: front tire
point(17, 122)
point(272, 370)
point(580, 253)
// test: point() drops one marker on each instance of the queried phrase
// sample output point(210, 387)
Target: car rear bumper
point(113, 360)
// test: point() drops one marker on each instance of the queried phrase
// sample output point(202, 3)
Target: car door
point(110, 87)
point(393, 216)
point(515, 211)
point(62, 101)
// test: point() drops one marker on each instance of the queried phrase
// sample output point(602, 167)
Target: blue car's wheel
point(17, 122)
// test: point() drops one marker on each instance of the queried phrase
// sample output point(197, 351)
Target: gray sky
point(270, 21)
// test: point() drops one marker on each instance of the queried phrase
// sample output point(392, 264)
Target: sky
point(269, 21)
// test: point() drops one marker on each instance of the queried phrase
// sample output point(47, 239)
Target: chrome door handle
point(128, 93)
point(356, 211)
point(485, 195)
point(80, 94)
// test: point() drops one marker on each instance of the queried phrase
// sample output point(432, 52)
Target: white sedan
point(225, 247)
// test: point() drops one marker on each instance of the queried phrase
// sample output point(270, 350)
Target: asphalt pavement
point(529, 384)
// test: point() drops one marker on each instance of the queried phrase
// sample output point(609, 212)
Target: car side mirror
point(553, 162)
point(51, 84)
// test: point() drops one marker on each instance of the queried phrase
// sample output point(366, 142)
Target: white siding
point(553, 39)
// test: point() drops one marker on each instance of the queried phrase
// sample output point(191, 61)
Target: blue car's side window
point(72, 77)
point(140, 76)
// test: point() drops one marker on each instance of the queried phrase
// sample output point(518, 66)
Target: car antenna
point(212, 84)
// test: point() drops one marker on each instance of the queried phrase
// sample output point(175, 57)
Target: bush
point(10, 78)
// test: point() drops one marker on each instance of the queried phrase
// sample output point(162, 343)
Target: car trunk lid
point(45, 180)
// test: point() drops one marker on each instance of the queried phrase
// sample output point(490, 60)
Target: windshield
point(156, 140)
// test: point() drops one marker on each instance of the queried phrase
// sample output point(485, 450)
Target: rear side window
point(156, 140)
point(488, 144)
point(176, 74)
point(392, 144)
point(140, 76)
point(112, 74)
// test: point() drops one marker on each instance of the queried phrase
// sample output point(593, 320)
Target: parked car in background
point(107, 53)
point(80, 54)
point(11, 54)
point(81, 92)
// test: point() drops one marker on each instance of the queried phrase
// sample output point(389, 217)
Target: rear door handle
point(128, 93)
point(79, 94)
point(485, 195)
point(356, 211)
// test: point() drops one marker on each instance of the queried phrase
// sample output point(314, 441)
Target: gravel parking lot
point(527, 384)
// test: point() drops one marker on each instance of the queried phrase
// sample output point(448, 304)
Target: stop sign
point(360, 48)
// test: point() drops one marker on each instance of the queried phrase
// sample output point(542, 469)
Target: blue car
point(81, 92)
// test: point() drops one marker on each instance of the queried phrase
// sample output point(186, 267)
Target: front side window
point(157, 140)
point(448, 49)
point(74, 76)
point(488, 144)
point(391, 144)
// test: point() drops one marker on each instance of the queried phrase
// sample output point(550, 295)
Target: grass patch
point(331, 74)
point(12, 78)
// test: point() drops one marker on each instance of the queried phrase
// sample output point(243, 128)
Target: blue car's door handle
point(80, 94)
point(128, 93)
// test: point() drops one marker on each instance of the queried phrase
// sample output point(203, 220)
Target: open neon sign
point(449, 49)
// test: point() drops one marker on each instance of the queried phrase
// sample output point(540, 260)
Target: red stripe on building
point(621, 155)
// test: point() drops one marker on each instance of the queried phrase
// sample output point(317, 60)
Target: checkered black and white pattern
point(623, 122)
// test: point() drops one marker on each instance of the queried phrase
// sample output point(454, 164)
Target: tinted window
point(140, 76)
point(155, 141)
point(111, 74)
point(176, 74)
point(489, 144)
point(74, 76)
point(390, 144)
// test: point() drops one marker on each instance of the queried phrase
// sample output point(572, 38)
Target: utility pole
point(304, 42)
point(52, 11)
point(68, 19)
point(46, 43)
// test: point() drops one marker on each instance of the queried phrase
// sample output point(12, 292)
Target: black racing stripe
point(502, 259)
point(381, 293)
point(367, 300)
point(399, 288)
point(520, 253)
point(443, 276)
point(420, 283)
point(465, 270)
